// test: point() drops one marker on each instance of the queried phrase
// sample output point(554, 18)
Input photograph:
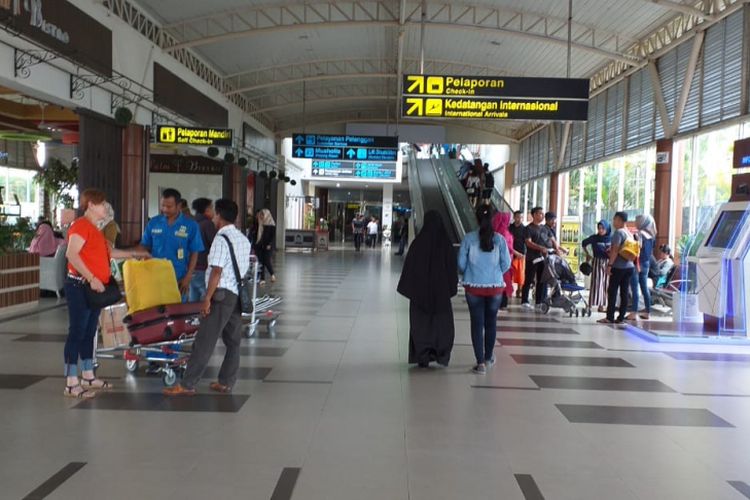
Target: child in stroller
point(560, 278)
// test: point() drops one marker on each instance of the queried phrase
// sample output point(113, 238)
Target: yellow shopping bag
point(150, 283)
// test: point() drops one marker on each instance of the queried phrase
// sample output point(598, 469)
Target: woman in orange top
point(88, 265)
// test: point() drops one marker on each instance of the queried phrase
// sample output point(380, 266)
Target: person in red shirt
point(88, 256)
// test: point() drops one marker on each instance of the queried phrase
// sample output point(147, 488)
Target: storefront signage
point(174, 134)
point(462, 97)
point(62, 27)
point(570, 239)
point(176, 164)
point(354, 169)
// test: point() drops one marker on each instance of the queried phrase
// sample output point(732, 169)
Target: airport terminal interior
point(487, 249)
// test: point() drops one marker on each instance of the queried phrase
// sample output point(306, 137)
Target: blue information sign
point(354, 169)
point(345, 147)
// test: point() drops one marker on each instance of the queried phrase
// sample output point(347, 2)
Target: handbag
point(243, 286)
point(99, 300)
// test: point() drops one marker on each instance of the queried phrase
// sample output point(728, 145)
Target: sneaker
point(480, 369)
point(539, 308)
point(490, 362)
point(526, 305)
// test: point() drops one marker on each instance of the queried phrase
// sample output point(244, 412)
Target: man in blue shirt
point(174, 237)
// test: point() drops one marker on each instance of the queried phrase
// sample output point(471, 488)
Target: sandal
point(217, 387)
point(605, 321)
point(644, 316)
point(602, 309)
point(96, 384)
point(71, 392)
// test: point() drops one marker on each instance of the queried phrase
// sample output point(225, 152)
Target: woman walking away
point(599, 243)
point(501, 225)
point(646, 236)
point(264, 246)
point(482, 260)
point(429, 280)
point(88, 256)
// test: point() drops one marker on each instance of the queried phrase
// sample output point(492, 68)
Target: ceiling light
point(338, 184)
point(41, 153)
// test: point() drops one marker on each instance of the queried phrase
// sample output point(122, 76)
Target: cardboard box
point(113, 330)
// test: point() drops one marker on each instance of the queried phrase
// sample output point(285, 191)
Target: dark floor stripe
point(709, 395)
point(55, 481)
point(19, 382)
point(527, 359)
point(285, 485)
point(506, 387)
point(742, 487)
point(571, 344)
point(529, 487)
point(219, 403)
point(298, 381)
point(708, 356)
point(14, 317)
point(638, 415)
point(600, 383)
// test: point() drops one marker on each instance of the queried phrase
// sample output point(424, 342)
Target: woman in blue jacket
point(482, 260)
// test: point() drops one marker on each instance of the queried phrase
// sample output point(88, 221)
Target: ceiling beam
point(250, 21)
point(678, 6)
point(325, 100)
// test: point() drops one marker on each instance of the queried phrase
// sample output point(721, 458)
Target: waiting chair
point(52, 271)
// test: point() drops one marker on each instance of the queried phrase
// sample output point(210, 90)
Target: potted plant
point(55, 179)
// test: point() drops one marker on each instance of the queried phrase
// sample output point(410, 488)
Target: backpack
point(630, 249)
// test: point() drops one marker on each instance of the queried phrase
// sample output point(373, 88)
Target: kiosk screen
point(725, 229)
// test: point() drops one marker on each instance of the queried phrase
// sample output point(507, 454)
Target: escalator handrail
point(455, 199)
point(417, 203)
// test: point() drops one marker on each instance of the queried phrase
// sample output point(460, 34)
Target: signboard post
point(495, 98)
point(348, 156)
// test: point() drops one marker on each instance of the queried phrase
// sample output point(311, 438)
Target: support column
point(387, 207)
point(663, 192)
point(100, 157)
point(135, 161)
point(554, 193)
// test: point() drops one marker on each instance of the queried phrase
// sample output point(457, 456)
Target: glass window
point(609, 200)
point(590, 198)
point(19, 183)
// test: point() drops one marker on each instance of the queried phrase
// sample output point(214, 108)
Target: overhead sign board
point(365, 170)
point(174, 134)
point(468, 97)
point(343, 141)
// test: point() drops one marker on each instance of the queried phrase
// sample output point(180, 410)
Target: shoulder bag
point(99, 300)
point(243, 285)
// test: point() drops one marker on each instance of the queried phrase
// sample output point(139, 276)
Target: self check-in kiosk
point(723, 269)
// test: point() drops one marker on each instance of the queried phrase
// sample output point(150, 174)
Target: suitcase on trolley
point(163, 312)
point(165, 330)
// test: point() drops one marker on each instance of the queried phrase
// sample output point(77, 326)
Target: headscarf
point(600, 243)
point(110, 217)
point(607, 230)
point(430, 275)
point(264, 219)
point(44, 243)
point(646, 226)
point(501, 225)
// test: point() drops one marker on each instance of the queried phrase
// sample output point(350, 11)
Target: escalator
point(426, 195)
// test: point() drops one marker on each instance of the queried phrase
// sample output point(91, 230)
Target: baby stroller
point(566, 293)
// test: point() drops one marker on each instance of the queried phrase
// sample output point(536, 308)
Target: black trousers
point(619, 281)
point(534, 275)
point(264, 261)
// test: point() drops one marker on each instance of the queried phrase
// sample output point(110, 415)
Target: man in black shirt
point(536, 239)
point(358, 230)
point(489, 184)
point(518, 262)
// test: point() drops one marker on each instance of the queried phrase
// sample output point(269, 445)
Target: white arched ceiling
point(317, 61)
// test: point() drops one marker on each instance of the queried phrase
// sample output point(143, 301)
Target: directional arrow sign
point(350, 153)
point(299, 139)
point(417, 106)
point(415, 84)
point(299, 151)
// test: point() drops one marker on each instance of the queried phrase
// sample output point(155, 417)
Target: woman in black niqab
point(429, 279)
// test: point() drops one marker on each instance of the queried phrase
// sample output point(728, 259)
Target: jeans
point(483, 313)
point(401, 245)
point(641, 279)
point(618, 281)
point(82, 324)
point(357, 241)
point(197, 286)
point(534, 275)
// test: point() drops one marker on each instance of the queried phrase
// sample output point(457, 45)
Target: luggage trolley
point(263, 306)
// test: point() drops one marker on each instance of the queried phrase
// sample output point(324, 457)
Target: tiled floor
point(326, 408)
